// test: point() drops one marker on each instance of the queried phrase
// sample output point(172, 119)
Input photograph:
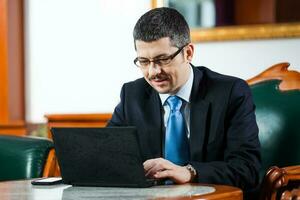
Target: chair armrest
point(277, 179)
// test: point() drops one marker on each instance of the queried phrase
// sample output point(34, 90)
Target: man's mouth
point(158, 80)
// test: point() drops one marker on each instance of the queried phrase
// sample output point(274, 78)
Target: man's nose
point(154, 69)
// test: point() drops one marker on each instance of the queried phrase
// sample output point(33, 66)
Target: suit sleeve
point(118, 117)
point(241, 161)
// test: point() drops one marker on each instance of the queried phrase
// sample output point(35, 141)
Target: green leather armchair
point(276, 93)
point(23, 157)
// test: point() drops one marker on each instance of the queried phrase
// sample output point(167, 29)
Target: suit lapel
point(153, 125)
point(199, 113)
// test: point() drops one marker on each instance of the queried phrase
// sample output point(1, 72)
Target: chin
point(161, 90)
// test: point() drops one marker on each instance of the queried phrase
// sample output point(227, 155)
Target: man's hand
point(160, 168)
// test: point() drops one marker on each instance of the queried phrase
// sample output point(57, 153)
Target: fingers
point(163, 174)
point(153, 166)
point(178, 175)
point(160, 168)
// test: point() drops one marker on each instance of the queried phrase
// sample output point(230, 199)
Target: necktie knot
point(174, 103)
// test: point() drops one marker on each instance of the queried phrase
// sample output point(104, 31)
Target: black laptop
point(100, 157)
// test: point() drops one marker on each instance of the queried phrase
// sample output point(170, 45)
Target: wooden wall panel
point(3, 63)
point(12, 103)
point(16, 61)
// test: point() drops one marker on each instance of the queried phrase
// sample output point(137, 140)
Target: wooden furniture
point(77, 120)
point(289, 80)
point(12, 103)
point(284, 182)
point(51, 167)
point(24, 190)
point(290, 195)
point(276, 94)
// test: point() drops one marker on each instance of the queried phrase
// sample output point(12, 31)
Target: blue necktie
point(176, 141)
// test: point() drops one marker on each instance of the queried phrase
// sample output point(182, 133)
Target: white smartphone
point(47, 181)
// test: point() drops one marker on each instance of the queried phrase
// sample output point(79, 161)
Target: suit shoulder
point(137, 86)
point(140, 82)
point(219, 79)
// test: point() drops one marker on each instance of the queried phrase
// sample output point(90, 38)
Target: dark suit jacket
point(224, 141)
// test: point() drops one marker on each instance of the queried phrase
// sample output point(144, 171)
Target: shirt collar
point(184, 92)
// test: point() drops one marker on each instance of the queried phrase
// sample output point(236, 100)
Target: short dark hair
point(162, 22)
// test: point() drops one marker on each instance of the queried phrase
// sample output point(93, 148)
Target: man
point(194, 125)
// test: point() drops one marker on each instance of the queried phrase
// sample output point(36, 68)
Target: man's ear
point(189, 52)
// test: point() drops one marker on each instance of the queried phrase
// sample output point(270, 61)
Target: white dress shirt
point(184, 93)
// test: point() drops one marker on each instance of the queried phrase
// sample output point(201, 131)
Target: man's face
point(164, 78)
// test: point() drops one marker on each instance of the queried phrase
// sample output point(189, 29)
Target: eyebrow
point(158, 56)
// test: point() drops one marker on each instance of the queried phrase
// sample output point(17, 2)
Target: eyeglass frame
point(157, 61)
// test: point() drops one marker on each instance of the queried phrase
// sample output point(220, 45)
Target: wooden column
point(12, 106)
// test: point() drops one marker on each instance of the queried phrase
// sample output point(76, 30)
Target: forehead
point(154, 48)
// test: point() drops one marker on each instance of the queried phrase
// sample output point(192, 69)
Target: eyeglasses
point(144, 63)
